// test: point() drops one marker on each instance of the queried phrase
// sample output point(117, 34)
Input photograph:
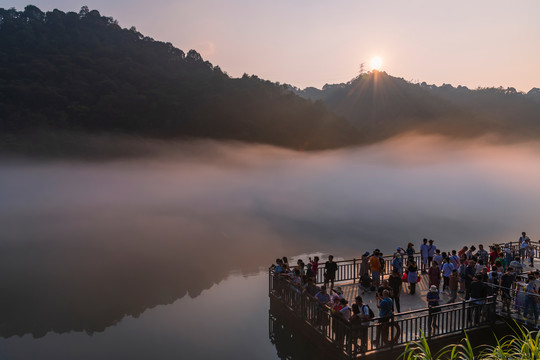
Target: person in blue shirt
point(386, 311)
point(447, 269)
point(322, 296)
point(278, 269)
point(397, 265)
point(424, 254)
point(530, 298)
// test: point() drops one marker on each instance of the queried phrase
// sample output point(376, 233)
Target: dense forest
point(67, 79)
point(383, 106)
point(81, 73)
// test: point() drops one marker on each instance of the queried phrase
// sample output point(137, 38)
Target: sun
point(376, 63)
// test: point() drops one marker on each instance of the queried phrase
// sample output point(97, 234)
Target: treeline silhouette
point(383, 106)
point(82, 72)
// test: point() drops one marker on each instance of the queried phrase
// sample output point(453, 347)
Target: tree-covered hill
point(81, 72)
point(382, 106)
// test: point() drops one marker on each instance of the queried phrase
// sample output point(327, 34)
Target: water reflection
point(85, 244)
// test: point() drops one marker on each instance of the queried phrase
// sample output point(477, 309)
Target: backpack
point(371, 313)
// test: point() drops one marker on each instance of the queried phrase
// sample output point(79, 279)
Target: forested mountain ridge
point(82, 72)
point(383, 106)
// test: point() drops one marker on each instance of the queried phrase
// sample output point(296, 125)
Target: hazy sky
point(310, 43)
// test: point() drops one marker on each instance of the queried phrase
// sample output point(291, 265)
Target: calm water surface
point(165, 257)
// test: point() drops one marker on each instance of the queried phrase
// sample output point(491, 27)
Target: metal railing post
point(463, 315)
point(354, 271)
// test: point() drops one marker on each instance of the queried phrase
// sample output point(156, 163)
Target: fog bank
point(130, 234)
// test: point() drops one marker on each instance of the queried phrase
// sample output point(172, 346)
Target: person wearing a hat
point(432, 302)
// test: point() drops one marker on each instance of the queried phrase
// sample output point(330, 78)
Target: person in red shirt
point(492, 255)
point(434, 274)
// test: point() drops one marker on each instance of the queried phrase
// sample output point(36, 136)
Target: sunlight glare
point(376, 63)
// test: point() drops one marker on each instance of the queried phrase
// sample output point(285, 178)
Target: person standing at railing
point(385, 313)
point(397, 264)
point(424, 255)
point(412, 276)
point(462, 251)
point(508, 253)
point(410, 252)
point(454, 259)
point(322, 296)
point(330, 269)
point(468, 278)
point(310, 287)
point(461, 273)
point(323, 299)
point(482, 254)
point(470, 253)
point(375, 265)
point(431, 252)
point(285, 263)
point(395, 283)
point(531, 293)
point(502, 259)
point(360, 323)
point(314, 266)
point(447, 270)
point(517, 265)
point(341, 323)
point(507, 284)
point(478, 291)
point(433, 298)
point(523, 246)
point(434, 274)
point(453, 286)
point(364, 265)
point(438, 258)
point(530, 250)
point(381, 260)
point(493, 255)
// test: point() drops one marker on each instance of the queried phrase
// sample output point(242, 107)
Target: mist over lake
point(89, 246)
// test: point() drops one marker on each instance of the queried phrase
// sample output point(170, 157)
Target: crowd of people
point(477, 273)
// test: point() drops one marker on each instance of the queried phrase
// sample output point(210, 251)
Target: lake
point(166, 256)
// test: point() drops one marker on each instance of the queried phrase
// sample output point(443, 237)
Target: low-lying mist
point(131, 233)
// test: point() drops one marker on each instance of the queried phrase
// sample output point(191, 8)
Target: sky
point(312, 42)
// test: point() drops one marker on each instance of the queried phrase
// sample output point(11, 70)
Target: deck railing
point(349, 270)
point(354, 339)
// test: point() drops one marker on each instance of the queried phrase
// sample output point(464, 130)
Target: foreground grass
point(522, 345)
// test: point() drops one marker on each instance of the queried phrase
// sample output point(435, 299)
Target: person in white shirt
point(523, 250)
point(454, 259)
point(345, 311)
point(523, 237)
point(517, 265)
point(438, 258)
